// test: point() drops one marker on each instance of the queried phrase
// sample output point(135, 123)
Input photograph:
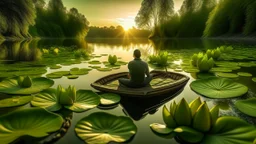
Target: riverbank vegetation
point(198, 18)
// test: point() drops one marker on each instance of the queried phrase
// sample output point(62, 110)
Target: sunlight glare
point(127, 23)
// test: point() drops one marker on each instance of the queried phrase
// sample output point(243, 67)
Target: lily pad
point(79, 72)
point(11, 86)
point(54, 76)
point(85, 100)
point(227, 75)
point(95, 67)
point(247, 106)
point(94, 62)
point(220, 69)
point(109, 99)
point(72, 76)
point(230, 130)
point(254, 79)
point(191, 70)
point(55, 67)
point(63, 73)
point(160, 128)
point(104, 69)
point(102, 127)
point(14, 101)
point(74, 69)
point(218, 88)
point(245, 74)
point(35, 122)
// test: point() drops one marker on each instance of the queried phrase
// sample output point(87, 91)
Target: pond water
point(181, 49)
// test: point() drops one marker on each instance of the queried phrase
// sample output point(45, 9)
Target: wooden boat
point(167, 83)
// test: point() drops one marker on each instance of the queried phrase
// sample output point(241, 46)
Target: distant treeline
point(116, 32)
point(199, 18)
point(21, 19)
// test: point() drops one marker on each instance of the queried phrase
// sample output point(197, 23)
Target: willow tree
point(153, 13)
point(15, 18)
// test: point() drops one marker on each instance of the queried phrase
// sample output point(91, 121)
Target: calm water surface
point(124, 49)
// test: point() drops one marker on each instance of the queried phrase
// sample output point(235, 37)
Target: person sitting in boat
point(138, 69)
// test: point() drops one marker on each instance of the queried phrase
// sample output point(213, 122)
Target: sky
point(110, 12)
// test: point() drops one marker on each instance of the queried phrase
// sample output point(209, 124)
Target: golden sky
point(110, 12)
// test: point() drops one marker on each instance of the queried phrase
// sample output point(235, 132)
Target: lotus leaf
point(74, 69)
point(160, 128)
point(72, 76)
point(109, 99)
point(50, 99)
point(14, 101)
point(245, 74)
point(94, 62)
point(63, 73)
point(85, 69)
point(104, 69)
point(218, 88)
point(35, 122)
point(12, 86)
point(227, 75)
point(55, 67)
point(79, 72)
point(54, 76)
point(104, 128)
point(220, 69)
point(247, 106)
point(254, 79)
point(204, 75)
point(95, 67)
point(191, 70)
point(230, 130)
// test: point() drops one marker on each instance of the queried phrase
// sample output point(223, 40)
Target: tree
point(153, 13)
point(16, 17)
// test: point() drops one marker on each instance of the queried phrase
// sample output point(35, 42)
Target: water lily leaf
point(227, 75)
point(245, 74)
point(35, 122)
point(11, 86)
point(220, 69)
point(85, 100)
point(72, 76)
point(104, 128)
point(121, 63)
point(191, 70)
point(109, 99)
point(247, 106)
point(230, 130)
point(104, 69)
point(160, 128)
point(14, 101)
point(63, 73)
point(218, 88)
point(205, 75)
point(47, 99)
point(94, 62)
point(54, 76)
point(74, 69)
point(95, 67)
point(55, 67)
point(79, 72)
point(85, 69)
point(254, 79)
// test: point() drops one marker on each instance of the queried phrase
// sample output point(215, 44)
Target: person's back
point(137, 71)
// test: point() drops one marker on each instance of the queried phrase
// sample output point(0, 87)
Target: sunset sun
point(127, 23)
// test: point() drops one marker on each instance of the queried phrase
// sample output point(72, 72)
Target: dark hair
point(137, 53)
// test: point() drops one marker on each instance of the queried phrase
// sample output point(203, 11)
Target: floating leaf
point(79, 72)
point(109, 99)
point(94, 62)
point(48, 99)
point(104, 69)
point(220, 69)
point(63, 73)
point(35, 122)
point(254, 79)
point(191, 70)
point(11, 86)
point(102, 127)
point(72, 76)
point(53, 76)
point(230, 130)
point(14, 101)
point(218, 88)
point(247, 106)
point(245, 74)
point(74, 69)
point(160, 128)
point(55, 67)
point(227, 75)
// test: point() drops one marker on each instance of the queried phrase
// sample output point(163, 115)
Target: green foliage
point(54, 20)
point(16, 17)
point(81, 53)
point(230, 17)
point(112, 59)
point(204, 125)
point(202, 62)
point(160, 59)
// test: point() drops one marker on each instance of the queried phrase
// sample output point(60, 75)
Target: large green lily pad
point(11, 86)
point(103, 128)
point(14, 101)
point(35, 122)
point(109, 99)
point(230, 130)
point(245, 74)
point(48, 99)
point(218, 88)
point(247, 106)
point(227, 75)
